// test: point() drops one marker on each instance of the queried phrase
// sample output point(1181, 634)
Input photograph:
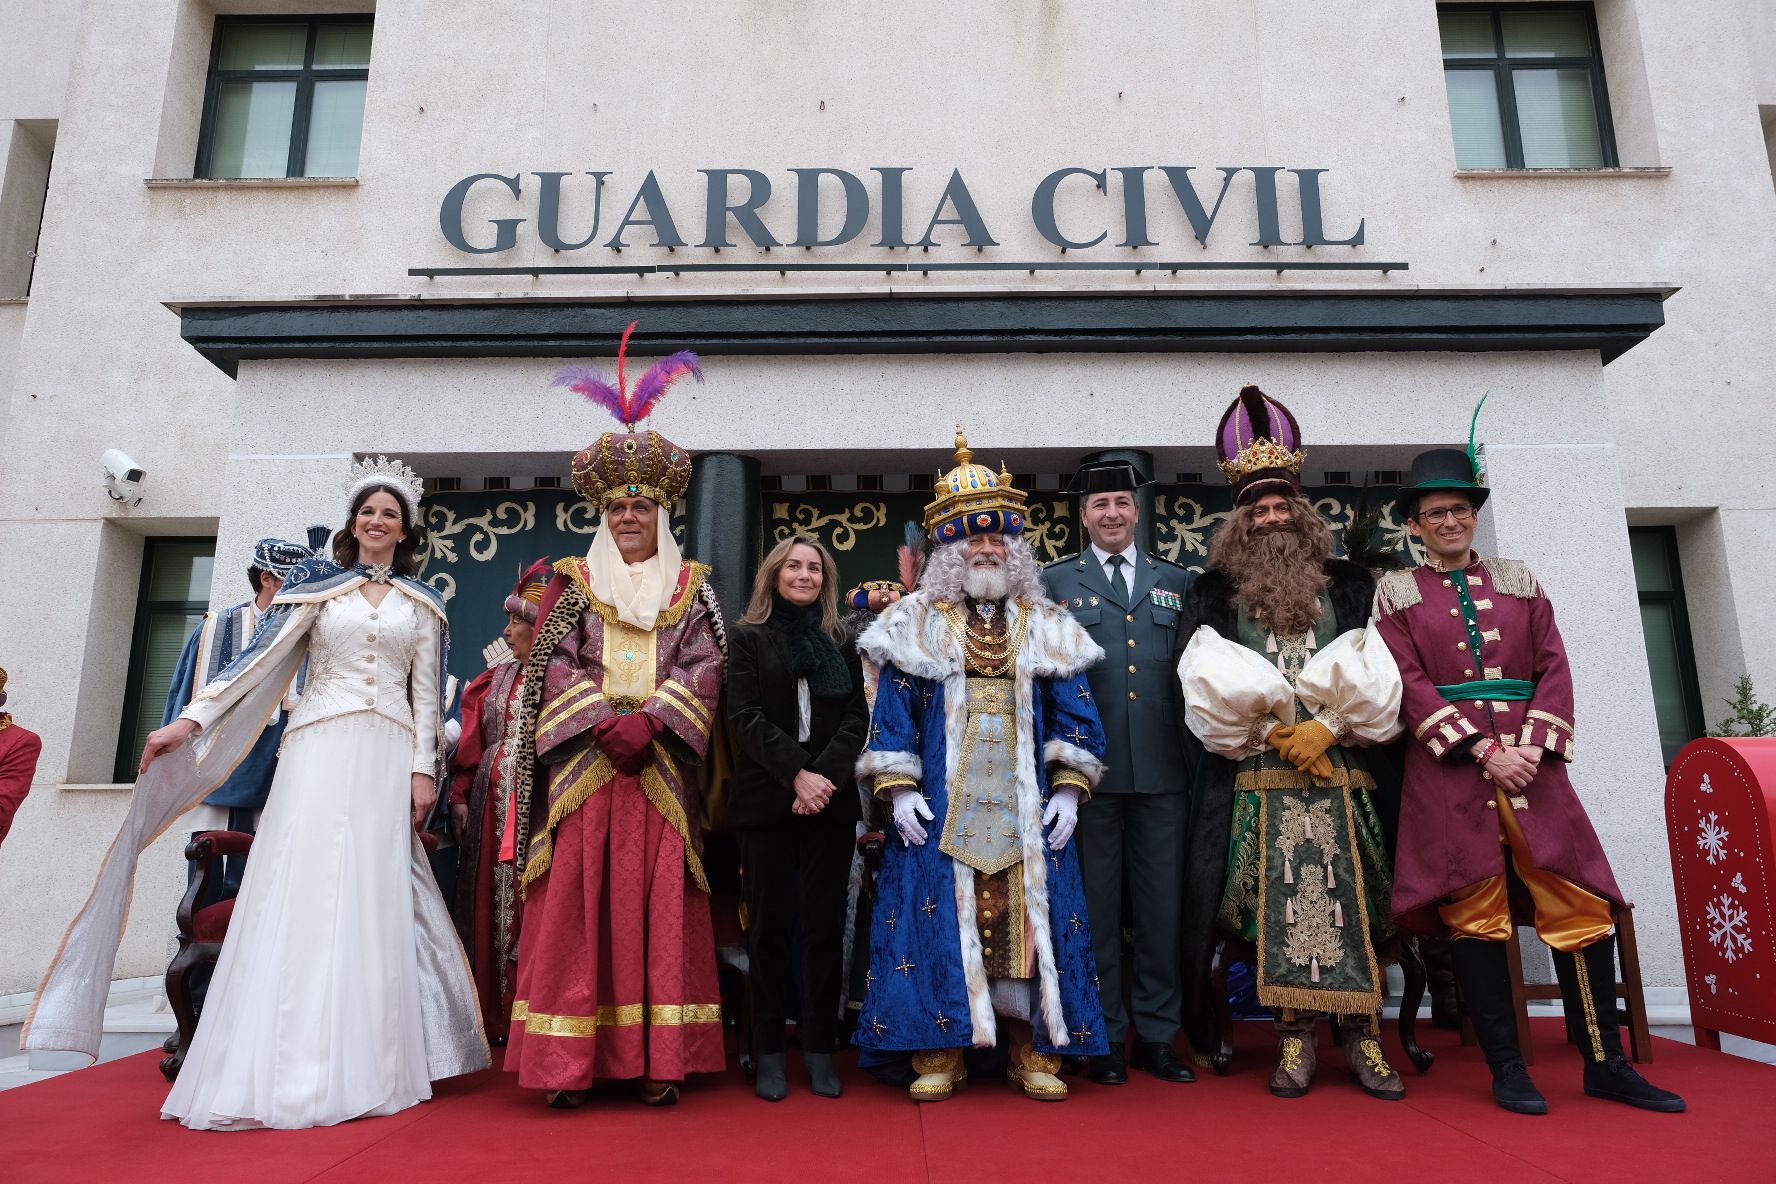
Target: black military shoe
point(1618, 1081)
point(1157, 1058)
point(1512, 1089)
point(1109, 1069)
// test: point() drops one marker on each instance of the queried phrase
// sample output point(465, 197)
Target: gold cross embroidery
point(965, 834)
point(943, 1022)
point(879, 1026)
point(1076, 923)
point(875, 733)
point(892, 916)
point(1077, 735)
point(1083, 1032)
point(901, 681)
point(869, 979)
point(906, 967)
point(930, 908)
point(1085, 694)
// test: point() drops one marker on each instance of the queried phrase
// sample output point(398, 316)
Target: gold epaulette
point(1512, 577)
point(1396, 590)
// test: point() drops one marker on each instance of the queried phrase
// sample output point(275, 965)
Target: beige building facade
point(1072, 226)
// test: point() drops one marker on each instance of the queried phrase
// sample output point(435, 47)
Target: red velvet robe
point(19, 750)
point(616, 964)
point(488, 904)
point(1449, 827)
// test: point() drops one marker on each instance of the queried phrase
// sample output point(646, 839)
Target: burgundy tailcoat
point(1449, 825)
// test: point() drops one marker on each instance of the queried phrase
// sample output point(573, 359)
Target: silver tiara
point(391, 474)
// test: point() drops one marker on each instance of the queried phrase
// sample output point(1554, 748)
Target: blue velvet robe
point(919, 994)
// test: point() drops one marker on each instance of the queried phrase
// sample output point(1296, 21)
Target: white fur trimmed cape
point(928, 982)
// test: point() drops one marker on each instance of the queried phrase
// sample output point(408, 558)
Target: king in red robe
point(616, 964)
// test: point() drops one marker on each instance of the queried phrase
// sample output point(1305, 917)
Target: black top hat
point(1107, 476)
point(1442, 470)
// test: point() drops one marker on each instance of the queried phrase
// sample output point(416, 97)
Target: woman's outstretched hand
point(164, 740)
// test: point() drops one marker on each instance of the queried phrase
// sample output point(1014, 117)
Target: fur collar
point(915, 636)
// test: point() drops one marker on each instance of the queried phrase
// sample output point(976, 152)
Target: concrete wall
point(1006, 93)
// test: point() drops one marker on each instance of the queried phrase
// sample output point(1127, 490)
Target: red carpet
point(103, 1124)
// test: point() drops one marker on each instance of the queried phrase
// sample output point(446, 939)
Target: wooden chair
point(201, 931)
point(1628, 990)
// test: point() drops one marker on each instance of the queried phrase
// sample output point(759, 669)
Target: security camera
point(123, 477)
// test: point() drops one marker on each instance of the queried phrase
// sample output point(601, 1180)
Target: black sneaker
point(1512, 1089)
point(1618, 1081)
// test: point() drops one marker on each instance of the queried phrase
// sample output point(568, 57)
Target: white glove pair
point(1062, 812)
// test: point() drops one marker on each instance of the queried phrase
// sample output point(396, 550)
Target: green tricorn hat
point(1446, 470)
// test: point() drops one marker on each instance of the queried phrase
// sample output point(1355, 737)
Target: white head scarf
point(638, 591)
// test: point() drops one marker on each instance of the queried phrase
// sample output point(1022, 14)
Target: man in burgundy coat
point(19, 750)
point(1488, 814)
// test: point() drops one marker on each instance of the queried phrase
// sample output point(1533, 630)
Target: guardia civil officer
point(1132, 829)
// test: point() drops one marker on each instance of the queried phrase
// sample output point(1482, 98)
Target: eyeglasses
point(1436, 517)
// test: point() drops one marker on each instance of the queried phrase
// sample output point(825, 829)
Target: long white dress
point(340, 942)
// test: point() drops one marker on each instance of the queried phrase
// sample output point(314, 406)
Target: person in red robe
point(1492, 834)
point(481, 816)
point(19, 750)
point(616, 962)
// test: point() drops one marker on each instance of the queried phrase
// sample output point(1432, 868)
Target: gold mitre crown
point(632, 464)
point(973, 499)
point(1259, 444)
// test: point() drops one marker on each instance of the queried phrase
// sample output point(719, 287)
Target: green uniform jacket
point(1135, 685)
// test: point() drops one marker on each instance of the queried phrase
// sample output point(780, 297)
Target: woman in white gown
point(342, 990)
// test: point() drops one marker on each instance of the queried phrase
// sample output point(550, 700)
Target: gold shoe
point(940, 1071)
point(1036, 1073)
point(657, 1093)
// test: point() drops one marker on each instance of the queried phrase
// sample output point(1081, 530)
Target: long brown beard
point(1280, 574)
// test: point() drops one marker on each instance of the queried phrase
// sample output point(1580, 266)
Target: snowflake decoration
point(1710, 980)
point(1739, 881)
point(1729, 928)
point(1707, 786)
point(1711, 838)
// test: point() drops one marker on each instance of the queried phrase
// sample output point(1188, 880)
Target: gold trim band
point(623, 1015)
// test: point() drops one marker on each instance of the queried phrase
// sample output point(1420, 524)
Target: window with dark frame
point(285, 97)
point(1525, 85)
point(1665, 622)
point(174, 594)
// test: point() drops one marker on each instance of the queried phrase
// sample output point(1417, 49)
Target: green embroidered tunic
point(1308, 879)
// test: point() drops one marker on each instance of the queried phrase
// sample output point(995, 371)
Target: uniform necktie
point(1118, 583)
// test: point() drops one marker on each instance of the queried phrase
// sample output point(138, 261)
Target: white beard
point(986, 583)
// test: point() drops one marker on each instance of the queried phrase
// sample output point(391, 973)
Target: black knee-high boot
point(1588, 991)
point(1485, 981)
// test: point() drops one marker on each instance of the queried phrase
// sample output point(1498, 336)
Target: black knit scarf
point(812, 654)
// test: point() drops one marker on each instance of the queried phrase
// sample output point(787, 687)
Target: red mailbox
point(1720, 815)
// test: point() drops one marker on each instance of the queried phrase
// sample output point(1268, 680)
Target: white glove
point(909, 807)
point(1063, 811)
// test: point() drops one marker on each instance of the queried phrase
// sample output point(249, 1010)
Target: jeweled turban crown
point(631, 463)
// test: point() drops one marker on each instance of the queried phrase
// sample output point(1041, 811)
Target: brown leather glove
point(1306, 748)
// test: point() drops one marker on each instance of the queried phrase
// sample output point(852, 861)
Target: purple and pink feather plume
point(629, 407)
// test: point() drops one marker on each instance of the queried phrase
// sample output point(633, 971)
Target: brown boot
point(940, 1071)
point(1368, 1066)
point(1036, 1073)
point(1296, 1056)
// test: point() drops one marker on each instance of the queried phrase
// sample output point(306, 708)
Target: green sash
point(1497, 689)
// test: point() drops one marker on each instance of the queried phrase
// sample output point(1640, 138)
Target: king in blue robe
point(985, 732)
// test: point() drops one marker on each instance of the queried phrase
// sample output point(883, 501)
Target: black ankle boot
point(1484, 977)
point(1588, 991)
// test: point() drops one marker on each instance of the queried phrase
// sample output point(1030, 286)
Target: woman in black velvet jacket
point(796, 704)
